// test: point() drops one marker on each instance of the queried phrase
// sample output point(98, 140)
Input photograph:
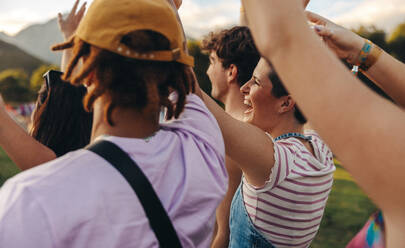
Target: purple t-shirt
point(79, 200)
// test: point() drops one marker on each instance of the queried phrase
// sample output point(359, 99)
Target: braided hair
point(129, 83)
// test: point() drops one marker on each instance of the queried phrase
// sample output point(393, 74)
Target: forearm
point(242, 17)
point(247, 145)
point(389, 74)
point(352, 119)
point(22, 149)
point(66, 56)
point(221, 238)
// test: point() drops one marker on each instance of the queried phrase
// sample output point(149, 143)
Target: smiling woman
point(256, 91)
point(290, 175)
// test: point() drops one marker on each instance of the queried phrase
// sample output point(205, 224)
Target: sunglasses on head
point(52, 77)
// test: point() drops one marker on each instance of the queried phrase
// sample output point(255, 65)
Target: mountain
point(37, 40)
point(3, 36)
point(12, 57)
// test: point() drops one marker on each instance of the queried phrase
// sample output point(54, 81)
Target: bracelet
point(368, 55)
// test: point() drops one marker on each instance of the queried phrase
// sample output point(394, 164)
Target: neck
point(286, 125)
point(234, 102)
point(127, 123)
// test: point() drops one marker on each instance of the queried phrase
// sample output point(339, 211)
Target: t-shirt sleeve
point(23, 222)
point(198, 121)
point(284, 157)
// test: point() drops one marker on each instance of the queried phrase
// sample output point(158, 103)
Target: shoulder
point(318, 142)
point(198, 122)
point(50, 171)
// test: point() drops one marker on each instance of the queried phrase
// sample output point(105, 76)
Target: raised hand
point(69, 25)
point(275, 19)
point(343, 42)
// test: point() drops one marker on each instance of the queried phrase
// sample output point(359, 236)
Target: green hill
point(11, 57)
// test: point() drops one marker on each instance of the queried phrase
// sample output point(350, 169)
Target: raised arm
point(387, 72)
point(68, 27)
point(22, 149)
point(247, 145)
point(363, 129)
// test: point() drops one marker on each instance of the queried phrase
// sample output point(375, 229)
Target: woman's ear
point(286, 104)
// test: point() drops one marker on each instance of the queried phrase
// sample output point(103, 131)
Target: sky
point(202, 16)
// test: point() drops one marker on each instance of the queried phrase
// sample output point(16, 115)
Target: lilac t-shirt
point(79, 200)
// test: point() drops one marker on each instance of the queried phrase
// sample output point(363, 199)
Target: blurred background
point(29, 28)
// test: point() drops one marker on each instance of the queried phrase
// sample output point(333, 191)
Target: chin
point(252, 121)
point(217, 96)
point(214, 94)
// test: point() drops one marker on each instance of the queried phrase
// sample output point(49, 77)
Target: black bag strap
point(158, 218)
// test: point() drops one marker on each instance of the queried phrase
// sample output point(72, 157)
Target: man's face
point(218, 76)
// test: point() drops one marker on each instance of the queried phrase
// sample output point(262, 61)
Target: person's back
point(80, 200)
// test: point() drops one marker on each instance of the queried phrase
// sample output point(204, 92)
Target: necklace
point(297, 135)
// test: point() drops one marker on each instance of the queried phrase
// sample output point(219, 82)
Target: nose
point(245, 89)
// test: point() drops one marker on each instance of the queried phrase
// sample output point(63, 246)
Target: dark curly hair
point(59, 120)
point(234, 46)
point(130, 83)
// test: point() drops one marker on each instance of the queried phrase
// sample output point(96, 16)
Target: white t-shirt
point(80, 200)
point(288, 209)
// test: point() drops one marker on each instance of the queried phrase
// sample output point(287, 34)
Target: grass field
point(7, 167)
point(346, 212)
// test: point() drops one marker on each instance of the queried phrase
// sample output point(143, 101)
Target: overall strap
point(158, 218)
point(296, 135)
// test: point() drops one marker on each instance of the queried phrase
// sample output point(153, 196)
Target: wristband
point(368, 55)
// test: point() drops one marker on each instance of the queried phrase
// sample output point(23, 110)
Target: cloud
point(202, 16)
point(15, 20)
point(336, 8)
point(384, 14)
point(199, 19)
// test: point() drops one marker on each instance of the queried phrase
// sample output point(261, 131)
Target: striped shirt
point(288, 209)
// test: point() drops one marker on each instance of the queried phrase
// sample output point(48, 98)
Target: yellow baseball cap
point(108, 21)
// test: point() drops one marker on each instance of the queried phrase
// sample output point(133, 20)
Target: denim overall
point(243, 233)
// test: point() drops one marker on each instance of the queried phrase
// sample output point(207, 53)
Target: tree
point(37, 79)
point(377, 36)
point(396, 42)
point(201, 65)
point(14, 86)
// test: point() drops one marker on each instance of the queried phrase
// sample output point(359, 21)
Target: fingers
point(81, 12)
point(315, 18)
point(323, 31)
point(73, 11)
point(60, 18)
